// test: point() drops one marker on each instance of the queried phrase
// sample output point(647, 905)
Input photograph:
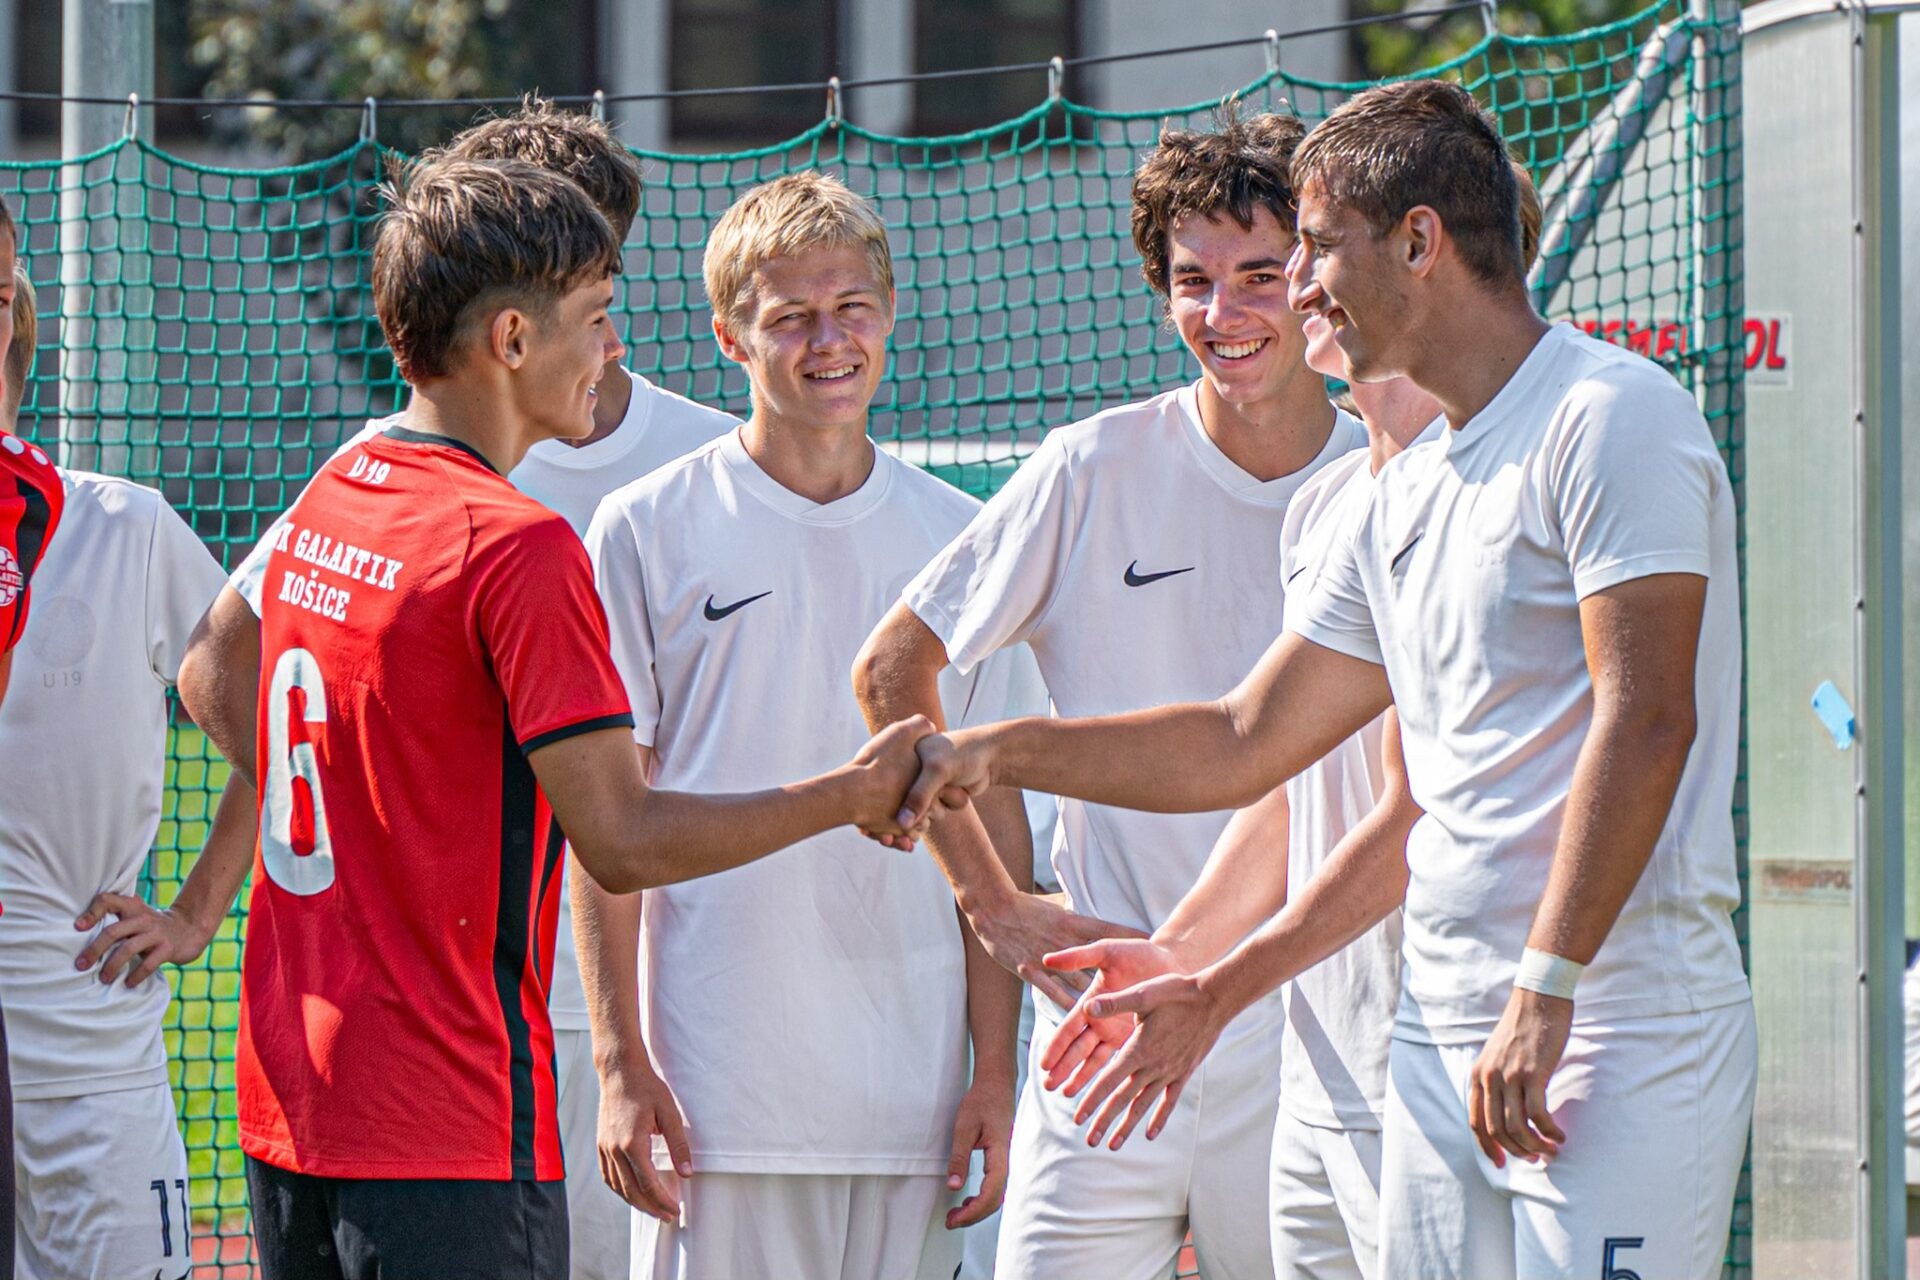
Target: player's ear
point(507, 336)
point(1420, 233)
point(730, 345)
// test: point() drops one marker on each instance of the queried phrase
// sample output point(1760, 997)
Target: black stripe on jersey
point(406, 435)
point(30, 539)
point(624, 720)
point(513, 939)
point(556, 851)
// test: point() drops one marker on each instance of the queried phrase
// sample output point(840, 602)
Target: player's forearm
point(211, 887)
point(898, 675)
point(993, 992)
point(1361, 883)
point(606, 937)
point(671, 836)
point(219, 680)
point(1623, 787)
point(1243, 884)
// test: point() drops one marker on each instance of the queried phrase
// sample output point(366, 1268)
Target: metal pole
point(107, 358)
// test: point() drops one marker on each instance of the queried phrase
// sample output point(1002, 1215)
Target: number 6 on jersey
point(294, 844)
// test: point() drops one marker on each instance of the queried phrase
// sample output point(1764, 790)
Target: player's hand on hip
point(1082, 1044)
point(1020, 929)
point(1178, 1021)
point(983, 1123)
point(635, 1104)
point(883, 770)
point(140, 941)
point(1507, 1089)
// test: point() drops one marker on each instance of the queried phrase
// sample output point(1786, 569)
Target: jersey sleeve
point(1634, 474)
point(618, 571)
point(545, 634)
point(1336, 613)
point(993, 584)
point(32, 496)
point(182, 580)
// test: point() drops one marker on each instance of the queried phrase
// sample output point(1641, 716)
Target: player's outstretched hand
point(884, 769)
point(1021, 929)
point(635, 1104)
point(984, 1122)
point(1177, 1022)
point(1082, 1044)
point(1507, 1089)
point(140, 941)
point(954, 768)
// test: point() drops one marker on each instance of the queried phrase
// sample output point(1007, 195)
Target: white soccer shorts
point(102, 1189)
point(1656, 1112)
point(789, 1226)
point(599, 1236)
point(1074, 1210)
point(1325, 1197)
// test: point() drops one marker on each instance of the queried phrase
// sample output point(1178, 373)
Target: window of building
point(986, 33)
point(723, 43)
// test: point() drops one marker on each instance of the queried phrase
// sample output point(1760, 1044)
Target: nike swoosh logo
point(1296, 573)
point(714, 615)
point(1134, 578)
point(1401, 554)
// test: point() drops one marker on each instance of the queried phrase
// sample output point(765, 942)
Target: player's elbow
point(614, 870)
point(895, 656)
point(1657, 732)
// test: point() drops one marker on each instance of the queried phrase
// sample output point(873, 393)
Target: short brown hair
point(1239, 167)
point(1532, 216)
point(1421, 142)
point(569, 143)
point(793, 213)
point(26, 342)
point(463, 238)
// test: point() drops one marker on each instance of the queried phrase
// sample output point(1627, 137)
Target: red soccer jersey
point(424, 626)
point(31, 499)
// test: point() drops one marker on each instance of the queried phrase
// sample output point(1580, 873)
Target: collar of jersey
point(748, 475)
point(407, 435)
point(1229, 475)
point(616, 445)
point(1518, 387)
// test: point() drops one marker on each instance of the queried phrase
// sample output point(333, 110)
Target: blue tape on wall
point(1831, 706)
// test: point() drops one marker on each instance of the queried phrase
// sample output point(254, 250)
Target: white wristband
point(1548, 974)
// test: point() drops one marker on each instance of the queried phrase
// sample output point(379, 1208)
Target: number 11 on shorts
point(159, 1186)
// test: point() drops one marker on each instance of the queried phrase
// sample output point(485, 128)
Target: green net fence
point(210, 331)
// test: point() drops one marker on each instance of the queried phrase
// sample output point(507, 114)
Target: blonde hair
point(26, 341)
point(785, 217)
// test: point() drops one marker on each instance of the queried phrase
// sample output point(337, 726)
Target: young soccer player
point(808, 1015)
point(436, 704)
point(1326, 1142)
point(31, 499)
point(103, 1184)
point(637, 427)
point(1550, 590)
point(1138, 554)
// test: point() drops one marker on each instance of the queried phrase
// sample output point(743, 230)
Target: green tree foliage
point(351, 49)
point(1401, 48)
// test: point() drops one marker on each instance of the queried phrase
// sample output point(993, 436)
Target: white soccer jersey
point(1333, 1063)
point(809, 1009)
point(83, 749)
point(1143, 567)
point(1590, 468)
point(659, 426)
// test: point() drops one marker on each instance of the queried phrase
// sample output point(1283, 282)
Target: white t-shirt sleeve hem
point(1367, 650)
point(944, 625)
point(1597, 578)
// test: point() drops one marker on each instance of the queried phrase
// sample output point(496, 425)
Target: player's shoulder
point(1602, 376)
point(111, 496)
point(1121, 429)
point(1325, 484)
point(924, 491)
point(676, 482)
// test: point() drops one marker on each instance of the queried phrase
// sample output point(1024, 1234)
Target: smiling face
point(1227, 297)
point(1345, 281)
point(564, 353)
point(811, 329)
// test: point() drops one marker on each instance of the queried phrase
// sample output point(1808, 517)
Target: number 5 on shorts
point(1618, 1244)
point(294, 843)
